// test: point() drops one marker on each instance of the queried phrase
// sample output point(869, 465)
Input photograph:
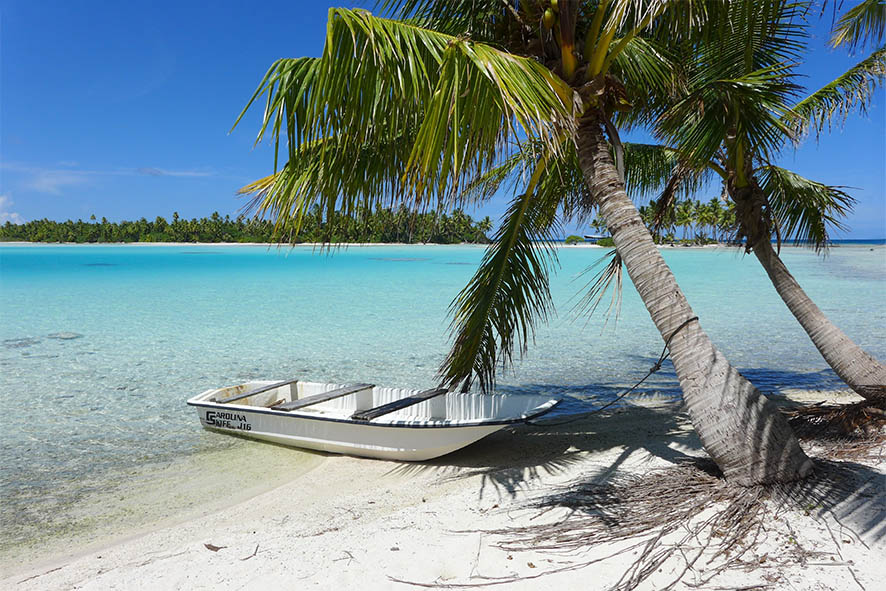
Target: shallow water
point(100, 346)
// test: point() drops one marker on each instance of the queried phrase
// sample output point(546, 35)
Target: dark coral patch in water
point(20, 343)
point(399, 259)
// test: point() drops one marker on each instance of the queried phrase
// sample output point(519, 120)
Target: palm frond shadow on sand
point(512, 458)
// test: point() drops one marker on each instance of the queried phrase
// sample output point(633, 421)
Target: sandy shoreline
point(352, 523)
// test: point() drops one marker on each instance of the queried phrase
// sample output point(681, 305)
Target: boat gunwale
point(545, 408)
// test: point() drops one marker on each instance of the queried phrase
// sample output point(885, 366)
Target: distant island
point(383, 225)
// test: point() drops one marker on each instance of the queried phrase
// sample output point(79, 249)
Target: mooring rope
point(665, 353)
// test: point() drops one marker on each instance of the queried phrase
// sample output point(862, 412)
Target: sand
point(351, 523)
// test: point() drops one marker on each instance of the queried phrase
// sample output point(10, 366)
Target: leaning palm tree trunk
point(743, 431)
point(856, 367)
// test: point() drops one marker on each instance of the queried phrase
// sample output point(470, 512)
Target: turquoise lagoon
point(100, 346)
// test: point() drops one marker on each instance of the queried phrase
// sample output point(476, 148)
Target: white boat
point(363, 419)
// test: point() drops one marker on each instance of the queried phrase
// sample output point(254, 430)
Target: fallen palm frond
point(686, 524)
point(860, 421)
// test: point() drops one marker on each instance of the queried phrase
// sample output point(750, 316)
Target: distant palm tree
point(460, 97)
point(685, 216)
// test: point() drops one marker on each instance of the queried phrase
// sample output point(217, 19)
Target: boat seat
point(254, 392)
point(384, 409)
point(322, 397)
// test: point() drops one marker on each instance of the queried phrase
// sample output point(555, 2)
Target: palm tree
point(745, 83)
point(424, 109)
point(684, 215)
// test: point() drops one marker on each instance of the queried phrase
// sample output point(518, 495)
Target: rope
point(665, 353)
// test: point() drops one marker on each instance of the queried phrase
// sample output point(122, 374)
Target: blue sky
point(122, 109)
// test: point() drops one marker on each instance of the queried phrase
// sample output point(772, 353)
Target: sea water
point(100, 346)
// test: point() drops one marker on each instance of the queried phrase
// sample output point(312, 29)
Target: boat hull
point(402, 437)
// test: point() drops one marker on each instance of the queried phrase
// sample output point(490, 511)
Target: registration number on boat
point(227, 420)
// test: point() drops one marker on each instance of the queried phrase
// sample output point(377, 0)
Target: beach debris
point(52, 570)
point(838, 423)
point(347, 556)
point(64, 336)
point(213, 547)
point(20, 343)
point(254, 552)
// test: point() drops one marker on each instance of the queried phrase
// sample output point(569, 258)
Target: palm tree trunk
point(742, 430)
point(861, 371)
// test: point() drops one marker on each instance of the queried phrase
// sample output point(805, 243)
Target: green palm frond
point(833, 103)
point(650, 76)
point(296, 76)
point(484, 100)
point(749, 109)
point(865, 22)
point(610, 276)
point(497, 311)
point(561, 180)
point(650, 168)
point(289, 194)
point(741, 81)
point(466, 102)
point(647, 168)
point(805, 210)
point(488, 21)
point(495, 178)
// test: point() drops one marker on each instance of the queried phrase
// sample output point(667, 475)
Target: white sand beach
point(352, 523)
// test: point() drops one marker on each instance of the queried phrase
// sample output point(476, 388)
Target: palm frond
point(291, 192)
point(650, 76)
point(610, 276)
point(832, 104)
point(647, 168)
point(750, 108)
point(484, 100)
point(805, 210)
point(437, 111)
point(496, 178)
point(741, 80)
point(497, 311)
point(865, 22)
point(560, 180)
point(489, 21)
point(651, 168)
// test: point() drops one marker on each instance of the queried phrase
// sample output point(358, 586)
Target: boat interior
point(366, 402)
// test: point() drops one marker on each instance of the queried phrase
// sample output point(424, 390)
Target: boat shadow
point(509, 460)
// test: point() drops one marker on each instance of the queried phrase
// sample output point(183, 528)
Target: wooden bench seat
point(254, 392)
point(322, 397)
point(384, 409)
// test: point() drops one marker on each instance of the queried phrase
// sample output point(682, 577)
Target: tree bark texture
point(742, 430)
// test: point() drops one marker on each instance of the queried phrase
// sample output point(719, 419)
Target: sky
point(124, 110)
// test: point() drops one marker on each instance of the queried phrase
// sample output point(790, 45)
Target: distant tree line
point(383, 225)
point(696, 221)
